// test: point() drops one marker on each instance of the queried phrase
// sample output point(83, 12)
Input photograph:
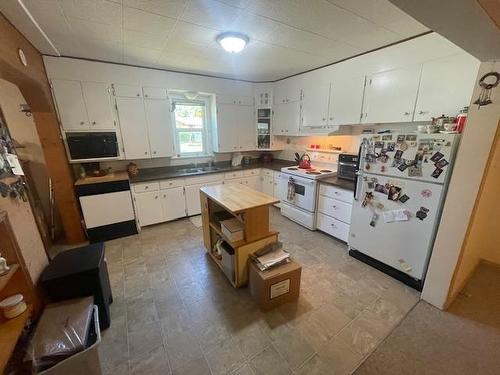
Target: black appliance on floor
point(77, 273)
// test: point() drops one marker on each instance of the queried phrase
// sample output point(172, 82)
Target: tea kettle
point(305, 162)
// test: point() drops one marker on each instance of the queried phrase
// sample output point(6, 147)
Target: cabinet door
point(276, 185)
point(254, 182)
point(390, 96)
point(133, 127)
point(268, 185)
point(286, 118)
point(149, 208)
point(315, 105)
point(154, 92)
point(346, 100)
point(227, 127)
point(193, 206)
point(445, 86)
point(173, 203)
point(159, 119)
point(70, 104)
point(98, 104)
point(247, 128)
point(127, 91)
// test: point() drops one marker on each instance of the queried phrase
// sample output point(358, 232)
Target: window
point(191, 126)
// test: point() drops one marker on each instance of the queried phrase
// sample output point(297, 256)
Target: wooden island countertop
point(251, 208)
point(237, 198)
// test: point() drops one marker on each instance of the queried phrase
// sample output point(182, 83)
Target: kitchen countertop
point(110, 177)
point(344, 184)
point(165, 173)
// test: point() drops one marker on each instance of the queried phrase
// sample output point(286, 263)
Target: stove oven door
point(304, 191)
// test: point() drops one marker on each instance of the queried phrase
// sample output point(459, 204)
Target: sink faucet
point(211, 162)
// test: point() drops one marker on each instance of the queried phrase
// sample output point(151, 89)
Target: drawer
point(167, 184)
point(205, 179)
point(251, 172)
point(141, 187)
point(234, 174)
point(267, 172)
point(336, 192)
point(332, 226)
point(335, 208)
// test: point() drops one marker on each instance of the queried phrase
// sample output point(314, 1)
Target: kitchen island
point(251, 208)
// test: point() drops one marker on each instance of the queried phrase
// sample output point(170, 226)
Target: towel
point(291, 190)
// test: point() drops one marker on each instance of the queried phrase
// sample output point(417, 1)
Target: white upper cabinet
point(346, 100)
point(133, 127)
point(315, 99)
point(160, 131)
point(228, 118)
point(286, 118)
point(154, 93)
point(446, 86)
point(390, 96)
point(286, 91)
point(70, 104)
point(98, 103)
point(127, 91)
point(263, 98)
point(235, 128)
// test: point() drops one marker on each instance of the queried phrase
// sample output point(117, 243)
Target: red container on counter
point(461, 120)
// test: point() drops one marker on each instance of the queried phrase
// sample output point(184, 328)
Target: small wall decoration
point(487, 82)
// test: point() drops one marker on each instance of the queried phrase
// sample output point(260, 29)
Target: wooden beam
point(33, 83)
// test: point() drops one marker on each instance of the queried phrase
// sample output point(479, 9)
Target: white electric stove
point(301, 208)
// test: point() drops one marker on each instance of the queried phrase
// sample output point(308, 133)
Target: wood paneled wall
point(33, 83)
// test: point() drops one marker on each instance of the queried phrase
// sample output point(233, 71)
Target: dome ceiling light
point(232, 42)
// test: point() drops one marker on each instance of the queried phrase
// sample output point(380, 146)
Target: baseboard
point(397, 274)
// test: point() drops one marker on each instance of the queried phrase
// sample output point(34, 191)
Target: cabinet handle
point(146, 187)
point(331, 118)
point(146, 95)
point(324, 119)
point(422, 112)
point(82, 122)
point(154, 152)
point(145, 152)
point(334, 207)
point(94, 123)
point(333, 225)
point(138, 95)
point(156, 196)
point(164, 195)
point(407, 113)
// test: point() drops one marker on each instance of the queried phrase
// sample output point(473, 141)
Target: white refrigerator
point(400, 190)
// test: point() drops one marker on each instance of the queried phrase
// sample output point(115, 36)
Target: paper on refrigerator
point(395, 215)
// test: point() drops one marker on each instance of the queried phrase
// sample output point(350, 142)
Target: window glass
point(191, 127)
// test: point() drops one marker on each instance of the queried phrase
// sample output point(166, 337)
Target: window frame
point(206, 100)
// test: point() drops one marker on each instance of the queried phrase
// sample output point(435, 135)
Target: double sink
point(197, 170)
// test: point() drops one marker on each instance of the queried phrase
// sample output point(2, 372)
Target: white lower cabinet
point(276, 185)
point(193, 203)
point(154, 205)
point(334, 211)
point(268, 185)
point(149, 209)
point(172, 201)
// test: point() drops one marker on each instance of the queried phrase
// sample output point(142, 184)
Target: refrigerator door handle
point(358, 173)
point(357, 186)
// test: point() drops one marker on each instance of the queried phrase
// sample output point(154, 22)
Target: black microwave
point(96, 145)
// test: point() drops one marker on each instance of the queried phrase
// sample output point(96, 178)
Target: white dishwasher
point(107, 209)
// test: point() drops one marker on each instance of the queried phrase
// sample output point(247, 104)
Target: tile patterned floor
point(175, 313)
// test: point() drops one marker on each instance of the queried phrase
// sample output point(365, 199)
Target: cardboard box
point(233, 229)
point(275, 286)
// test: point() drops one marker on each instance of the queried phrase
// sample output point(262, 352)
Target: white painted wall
point(464, 186)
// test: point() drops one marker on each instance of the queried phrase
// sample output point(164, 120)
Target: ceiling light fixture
point(232, 42)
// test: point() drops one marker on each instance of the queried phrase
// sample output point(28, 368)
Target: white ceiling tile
point(142, 40)
point(138, 20)
point(94, 10)
point(286, 36)
point(212, 14)
point(87, 30)
point(169, 8)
